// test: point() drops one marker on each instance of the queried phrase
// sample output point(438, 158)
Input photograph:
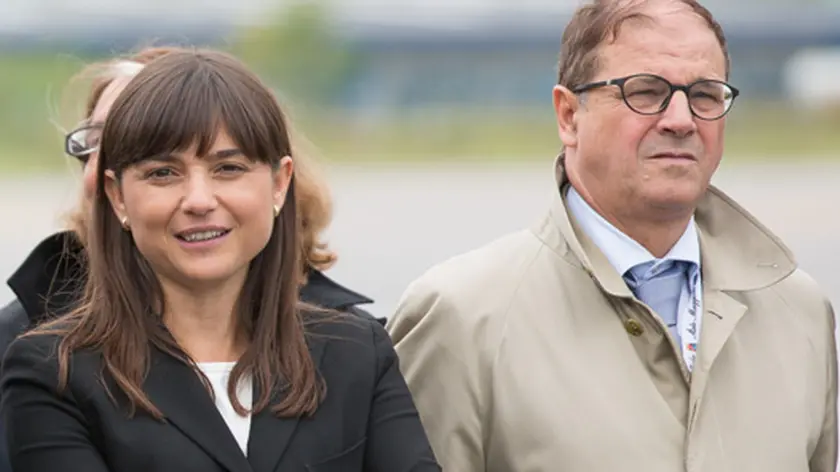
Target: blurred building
point(415, 54)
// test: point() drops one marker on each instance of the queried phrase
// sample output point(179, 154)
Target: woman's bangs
point(162, 124)
point(183, 108)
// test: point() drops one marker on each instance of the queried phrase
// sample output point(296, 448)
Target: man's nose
point(677, 118)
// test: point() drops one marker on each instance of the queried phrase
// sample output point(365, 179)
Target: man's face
point(629, 163)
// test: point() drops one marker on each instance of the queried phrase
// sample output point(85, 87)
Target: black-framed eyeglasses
point(83, 141)
point(649, 94)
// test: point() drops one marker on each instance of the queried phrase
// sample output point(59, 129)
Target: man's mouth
point(675, 155)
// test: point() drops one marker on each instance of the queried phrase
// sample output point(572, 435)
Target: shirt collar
point(623, 252)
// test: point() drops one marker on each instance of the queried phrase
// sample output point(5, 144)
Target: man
point(647, 323)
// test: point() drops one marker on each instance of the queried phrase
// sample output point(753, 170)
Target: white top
point(218, 373)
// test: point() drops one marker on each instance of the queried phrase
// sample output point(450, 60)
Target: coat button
point(634, 327)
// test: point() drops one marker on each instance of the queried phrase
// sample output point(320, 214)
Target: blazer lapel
point(270, 435)
point(178, 392)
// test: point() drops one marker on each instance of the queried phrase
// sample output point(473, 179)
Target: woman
point(189, 350)
point(47, 282)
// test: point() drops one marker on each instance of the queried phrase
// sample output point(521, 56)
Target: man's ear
point(566, 108)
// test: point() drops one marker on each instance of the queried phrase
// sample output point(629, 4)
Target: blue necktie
point(660, 288)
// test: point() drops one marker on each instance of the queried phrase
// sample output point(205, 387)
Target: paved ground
point(393, 223)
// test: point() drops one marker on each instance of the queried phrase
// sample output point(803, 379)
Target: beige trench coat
point(530, 354)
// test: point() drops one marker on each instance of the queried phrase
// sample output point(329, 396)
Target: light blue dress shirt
point(625, 254)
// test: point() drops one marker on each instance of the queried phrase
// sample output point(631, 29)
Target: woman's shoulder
point(347, 333)
point(348, 349)
point(33, 357)
point(40, 346)
point(347, 324)
point(39, 340)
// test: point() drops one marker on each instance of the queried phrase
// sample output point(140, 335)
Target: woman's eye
point(161, 173)
point(231, 168)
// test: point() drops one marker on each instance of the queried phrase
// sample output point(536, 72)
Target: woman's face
point(200, 220)
point(97, 118)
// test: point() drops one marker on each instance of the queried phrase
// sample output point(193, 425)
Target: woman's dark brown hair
point(179, 100)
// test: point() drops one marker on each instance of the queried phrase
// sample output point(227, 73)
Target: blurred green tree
point(299, 52)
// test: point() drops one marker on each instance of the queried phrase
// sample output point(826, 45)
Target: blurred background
point(432, 118)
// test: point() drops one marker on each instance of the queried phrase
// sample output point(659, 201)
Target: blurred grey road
point(391, 223)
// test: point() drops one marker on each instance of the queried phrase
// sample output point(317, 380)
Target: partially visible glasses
point(649, 94)
point(83, 141)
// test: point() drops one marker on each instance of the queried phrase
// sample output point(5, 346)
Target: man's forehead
point(681, 39)
point(655, 7)
point(659, 14)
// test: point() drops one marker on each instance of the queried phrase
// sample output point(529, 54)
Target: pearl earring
point(124, 222)
point(276, 211)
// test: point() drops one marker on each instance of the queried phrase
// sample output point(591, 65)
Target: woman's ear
point(115, 197)
point(282, 178)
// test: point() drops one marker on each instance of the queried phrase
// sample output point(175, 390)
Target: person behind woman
point(190, 350)
point(48, 282)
